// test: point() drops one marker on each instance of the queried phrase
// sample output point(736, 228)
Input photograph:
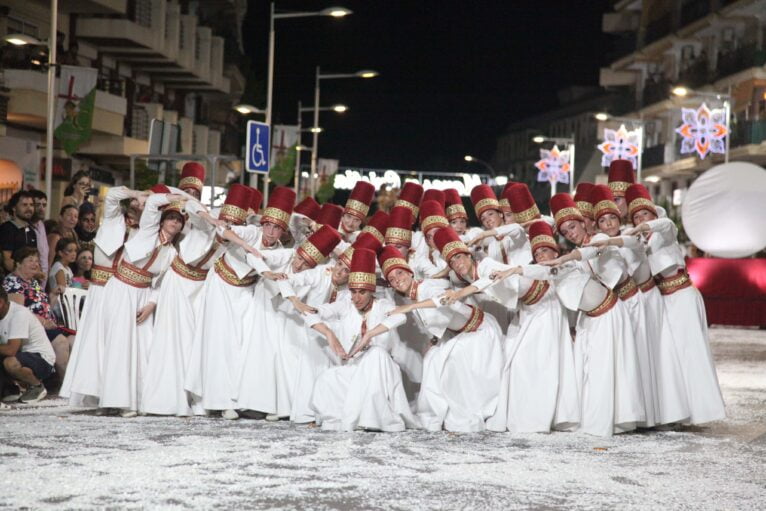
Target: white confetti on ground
point(53, 456)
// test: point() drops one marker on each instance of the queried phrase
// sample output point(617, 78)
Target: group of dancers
point(331, 316)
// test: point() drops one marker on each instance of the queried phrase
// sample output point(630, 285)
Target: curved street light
point(472, 159)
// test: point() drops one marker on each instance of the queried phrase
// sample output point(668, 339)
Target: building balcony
point(748, 132)
point(95, 6)
point(742, 58)
point(695, 73)
point(692, 10)
point(658, 28)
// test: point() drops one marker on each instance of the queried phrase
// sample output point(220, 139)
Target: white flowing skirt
point(126, 345)
point(538, 391)
point(315, 357)
point(671, 404)
point(461, 380)
point(215, 361)
point(82, 379)
point(608, 375)
point(646, 358)
point(178, 305)
point(688, 322)
point(366, 393)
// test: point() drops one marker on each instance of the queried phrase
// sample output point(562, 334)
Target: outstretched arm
point(335, 344)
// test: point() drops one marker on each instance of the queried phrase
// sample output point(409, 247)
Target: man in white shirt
point(26, 353)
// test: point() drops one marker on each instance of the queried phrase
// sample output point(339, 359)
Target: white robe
point(365, 392)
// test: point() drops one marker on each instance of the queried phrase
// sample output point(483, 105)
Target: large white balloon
point(724, 211)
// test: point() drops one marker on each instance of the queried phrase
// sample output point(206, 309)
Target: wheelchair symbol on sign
point(259, 159)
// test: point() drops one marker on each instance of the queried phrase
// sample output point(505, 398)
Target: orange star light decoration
point(554, 165)
point(703, 130)
point(619, 144)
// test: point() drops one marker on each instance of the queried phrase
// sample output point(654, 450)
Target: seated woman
point(82, 268)
point(23, 288)
point(61, 275)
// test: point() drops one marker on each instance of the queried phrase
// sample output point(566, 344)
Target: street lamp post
point(570, 143)
point(301, 110)
point(51, 106)
point(604, 117)
point(335, 12)
point(472, 159)
point(682, 92)
point(366, 73)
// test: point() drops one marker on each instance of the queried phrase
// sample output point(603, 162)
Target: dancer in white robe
point(122, 210)
point(355, 212)
point(366, 390)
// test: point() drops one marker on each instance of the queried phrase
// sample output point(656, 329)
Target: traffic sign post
point(258, 146)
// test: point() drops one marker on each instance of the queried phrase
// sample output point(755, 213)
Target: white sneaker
point(128, 414)
point(273, 417)
point(4, 406)
point(230, 415)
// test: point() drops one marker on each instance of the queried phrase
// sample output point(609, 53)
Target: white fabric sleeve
point(257, 263)
point(20, 327)
point(631, 242)
point(151, 214)
point(285, 288)
point(515, 231)
point(393, 321)
point(112, 201)
point(536, 272)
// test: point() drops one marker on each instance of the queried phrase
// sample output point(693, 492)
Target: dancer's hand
point(270, 275)
point(145, 312)
point(481, 237)
point(336, 346)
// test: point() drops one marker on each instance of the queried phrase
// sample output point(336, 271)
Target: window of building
point(20, 26)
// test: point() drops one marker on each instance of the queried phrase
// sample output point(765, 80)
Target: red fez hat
point(238, 200)
point(449, 243)
point(620, 176)
point(362, 274)
point(330, 215)
point(308, 207)
point(317, 248)
point(484, 198)
point(582, 199)
point(564, 208)
point(280, 207)
point(602, 199)
point(358, 203)
point(377, 225)
point(454, 205)
point(409, 197)
point(541, 235)
point(505, 198)
point(160, 188)
point(364, 240)
point(432, 216)
point(257, 199)
point(433, 194)
point(638, 198)
point(399, 229)
point(523, 204)
point(192, 176)
point(390, 258)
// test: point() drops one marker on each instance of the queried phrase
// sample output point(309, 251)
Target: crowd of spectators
point(40, 258)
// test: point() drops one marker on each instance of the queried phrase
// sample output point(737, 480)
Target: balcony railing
point(692, 10)
point(748, 132)
point(695, 73)
point(658, 28)
point(653, 156)
point(655, 92)
point(739, 59)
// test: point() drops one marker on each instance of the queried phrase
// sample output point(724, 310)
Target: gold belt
point(647, 286)
point(100, 275)
point(187, 271)
point(230, 277)
point(605, 306)
point(474, 322)
point(669, 285)
point(133, 275)
point(626, 289)
point(536, 292)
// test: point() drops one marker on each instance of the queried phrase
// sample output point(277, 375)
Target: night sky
point(453, 74)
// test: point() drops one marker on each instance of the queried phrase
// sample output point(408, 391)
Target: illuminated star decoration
point(703, 130)
point(554, 165)
point(619, 145)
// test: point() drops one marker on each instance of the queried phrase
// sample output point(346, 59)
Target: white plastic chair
point(72, 303)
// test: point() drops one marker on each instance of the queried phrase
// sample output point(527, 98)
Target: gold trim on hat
point(456, 211)
point(605, 206)
point(527, 215)
point(407, 204)
point(484, 204)
point(640, 203)
point(347, 255)
point(586, 208)
point(433, 221)
point(543, 240)
point(619, 187)
point(395, 262)
point(310, 253)
point(191, 182)
point(563, 215)
point(453, 248)
point(375, 232)
point(357, 208)
point(232, 213)
point(505, 205)
point(399, 236)
point(361, 280)
point(277, 216)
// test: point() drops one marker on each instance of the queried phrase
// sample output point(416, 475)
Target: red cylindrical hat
point(192, 176)
point(399, 229)
point(308, 207)
point(638, 198)
point(484, 198)
point(410, 196)
point(318, 247)
point(377, 225)
point(541, 235)
point(454, 205)
point(257, 199)
point(523, 204)
point(160, 188)
point(390, 258)
point(364, 240)
point(358, 203)
point(603, 202)
point(433, 194)
point(329, 215)
point(362, 274)
point(582, 199)
point(505, 198)
point(449, 243)
point(280, 207)
point(564, 208)
point(432, 216)
point(620, 176)
point(238, 200)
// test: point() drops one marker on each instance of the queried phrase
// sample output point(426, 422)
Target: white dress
point(461, 374)
point(178, 306)
point(688, 322)
point(126, 343)
point(365, 392)
point(608, 375)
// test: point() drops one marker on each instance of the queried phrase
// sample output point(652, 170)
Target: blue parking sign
point(258, 145)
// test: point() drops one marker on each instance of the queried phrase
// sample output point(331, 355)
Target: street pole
point(296, 179)
point(51, 107)
point(727, 106)
point(640, 152)
point(572, 166)
point(314, 138)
